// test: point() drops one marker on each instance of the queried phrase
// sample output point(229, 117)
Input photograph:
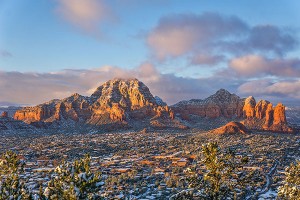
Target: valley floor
point(152, 165)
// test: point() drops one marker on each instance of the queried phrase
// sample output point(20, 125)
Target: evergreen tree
point(73, 180)
point(222, 174)
point(291, 188)
point(11, 186)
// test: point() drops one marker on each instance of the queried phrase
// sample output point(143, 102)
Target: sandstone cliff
point(117, 102)
point(129, 103)
point(261, 115)
point(222, 103)
point(264, 116)
point(8, 123)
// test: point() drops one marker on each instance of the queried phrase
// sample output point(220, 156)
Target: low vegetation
point(221, 177)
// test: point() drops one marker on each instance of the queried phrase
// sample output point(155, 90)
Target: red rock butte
point(258, 116)
point(117, 101)
point(129, 102)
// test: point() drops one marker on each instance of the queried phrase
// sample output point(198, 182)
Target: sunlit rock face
point(74, 107)
point(249, 107)
point(260, 116)
point(118, 101)
point(128, 102)
point(268, 118)
point(279, 120)
point(222, 103)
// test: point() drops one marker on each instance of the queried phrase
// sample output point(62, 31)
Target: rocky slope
point(117, 103)
point(222, 103)
point(8, 123)
point(260, 116)
point(231, 128)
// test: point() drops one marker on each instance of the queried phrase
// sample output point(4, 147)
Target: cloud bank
point(180, 34)
point(283, 89)
point(208, 37)
point(255, 66)
point(253, 59)
point(35, 88)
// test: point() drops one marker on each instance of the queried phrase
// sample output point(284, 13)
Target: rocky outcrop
point(74, 107)
point(231, 128)
point(4, 114)
point(268, 118)
point(249, 107)
point(10, 110)
point(221, 104)
point(279, 114)
point(261, 108)
point(129, 103)
point(125, 100)
point(117, 101)
point(279, 120)
point(261, 115)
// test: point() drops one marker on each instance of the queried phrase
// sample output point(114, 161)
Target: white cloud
point(87, 15)
point(35, 88)
point(285, 89)
point(206, 59)
point(216, 35)
point(254, 65)
point(177, 35)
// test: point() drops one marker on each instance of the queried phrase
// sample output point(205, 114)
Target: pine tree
point(291, 188)
point(73, 180)
point(220, 178)
point(11, 186)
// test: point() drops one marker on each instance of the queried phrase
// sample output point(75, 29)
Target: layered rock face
point(116, 101)
point(130, 103)
point(260, 116)
point(8, 123)
point(231, 128)
point(222, 103)
point(125, 101)
point(74, 107)
point(264, 116)
point(249, 107)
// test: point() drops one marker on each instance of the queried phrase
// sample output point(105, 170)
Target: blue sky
point(238, 46)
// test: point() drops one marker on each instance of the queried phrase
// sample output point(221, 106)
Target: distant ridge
point(258, 116)
point(128, 103)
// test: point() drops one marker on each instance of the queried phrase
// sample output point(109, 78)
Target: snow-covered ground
point(270, 194)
